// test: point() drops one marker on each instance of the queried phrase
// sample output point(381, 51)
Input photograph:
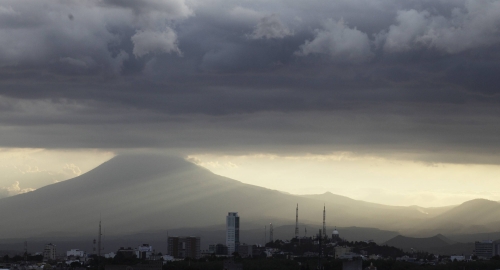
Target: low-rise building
point(245, 250)
point(457, 258)
point(349, 256)
point(125, 253)
point(75, 253)
point(144, 251)
point(110, 255)
point(184, 247)
point(218, 249)
point(341, 251)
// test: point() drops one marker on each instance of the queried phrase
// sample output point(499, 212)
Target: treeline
point(19, 258)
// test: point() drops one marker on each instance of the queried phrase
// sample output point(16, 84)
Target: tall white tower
point(232, 232)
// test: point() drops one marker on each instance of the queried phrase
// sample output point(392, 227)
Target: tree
point(75, 264)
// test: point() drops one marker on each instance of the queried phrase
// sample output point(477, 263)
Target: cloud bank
point(416, 78)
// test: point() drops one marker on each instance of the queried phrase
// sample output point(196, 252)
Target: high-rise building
point(232, 232)
point(184, 247)
point(49, 252)
point(485, 249)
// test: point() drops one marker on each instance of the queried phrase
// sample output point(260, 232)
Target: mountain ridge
point(135, 193)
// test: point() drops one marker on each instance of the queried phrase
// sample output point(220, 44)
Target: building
point(49, 252)
point(110, 255)
point(348, 256)
point(245, 251)
point(485, 249)
point(218, 249)
point(76, 253)
point(144, 251)
point(335, 236)
point(184, 247)
point(232, 232)
point(457, 258)
point(125, 253)
point(341, 251)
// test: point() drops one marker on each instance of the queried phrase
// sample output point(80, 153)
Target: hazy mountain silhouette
point(408, 243)
point(152, 193)
point(471, 217)
point(438, 244)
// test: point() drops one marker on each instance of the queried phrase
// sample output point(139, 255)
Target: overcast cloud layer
point(385, 77)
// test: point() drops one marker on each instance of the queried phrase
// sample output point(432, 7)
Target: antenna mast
point(99, 241)
point(25, 251)
point(324, 226)
point(297, 222)
point(271, 231)
point(265, 235)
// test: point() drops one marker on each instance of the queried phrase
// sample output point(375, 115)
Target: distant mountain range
point(438, 244)
point(135, 194)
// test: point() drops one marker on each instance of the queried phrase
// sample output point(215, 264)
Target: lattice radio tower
point(99, 241)
point(324, 217)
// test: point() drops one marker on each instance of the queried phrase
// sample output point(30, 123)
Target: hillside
point(471, 217)
point(438, 244)
point(408, 243)
point(416, 211)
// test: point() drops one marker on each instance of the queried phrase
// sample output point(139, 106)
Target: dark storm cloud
point(361, 75)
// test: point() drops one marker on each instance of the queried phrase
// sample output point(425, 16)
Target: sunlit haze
point(24, 170)
point(379, 180)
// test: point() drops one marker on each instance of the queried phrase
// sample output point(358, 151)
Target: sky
point(408, 87)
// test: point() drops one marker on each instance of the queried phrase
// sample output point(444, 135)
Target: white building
point(75, 253)
point(335, 235)
point(144, 251)
point(109, 255)
point(232, 232)
point(457, 258)
point(168, 258)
